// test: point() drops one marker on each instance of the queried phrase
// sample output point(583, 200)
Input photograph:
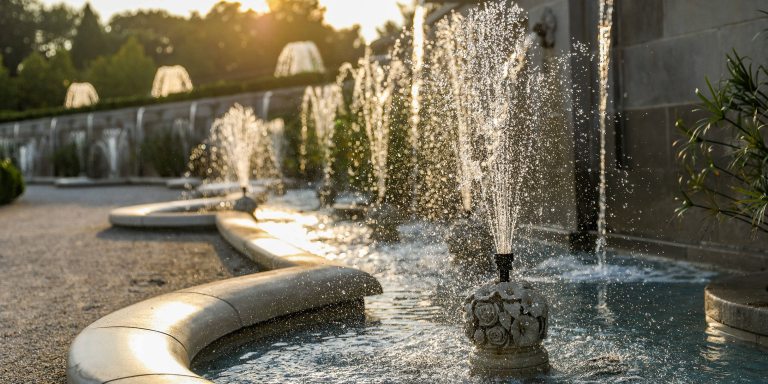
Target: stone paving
point(62, 267)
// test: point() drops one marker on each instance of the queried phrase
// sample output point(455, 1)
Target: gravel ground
point(62, 266)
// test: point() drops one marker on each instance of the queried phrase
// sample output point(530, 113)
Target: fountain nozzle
point(504, 264)
point(245, 191)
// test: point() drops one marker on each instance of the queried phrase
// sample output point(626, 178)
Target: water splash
point(170, 80)
point(299, 57)
point(237, 135)
point(604, 41)
point(318, 110)
point(376, 89)
point(80, 95)
point(417, 66)
point(78, 138)
point(499, 91)
point(109, 146)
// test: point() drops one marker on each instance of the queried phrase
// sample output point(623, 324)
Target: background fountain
point(80, 95)
point(318, 110)
point(170, 80)
point(299, 57)
point(377, 88)
point(239, 145)
point(79, 139)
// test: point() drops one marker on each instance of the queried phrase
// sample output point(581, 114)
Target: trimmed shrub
point(66, 162)
point(11, 183)
point(164, 152)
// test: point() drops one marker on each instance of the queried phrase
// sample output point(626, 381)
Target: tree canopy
point(227, 44)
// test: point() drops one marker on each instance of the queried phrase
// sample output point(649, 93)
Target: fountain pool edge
point(155, 340)
point(738, 306)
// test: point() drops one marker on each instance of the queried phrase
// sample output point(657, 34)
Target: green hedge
point(11, 183)
point(210, 90)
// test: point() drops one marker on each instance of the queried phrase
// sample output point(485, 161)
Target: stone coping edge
point(155, 340)
point(738, 306)
point(172, 214)
point(177, 213)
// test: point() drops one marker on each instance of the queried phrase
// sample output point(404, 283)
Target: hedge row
point(210, 90)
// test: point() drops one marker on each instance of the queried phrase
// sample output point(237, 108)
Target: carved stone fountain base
point(510, 362)
point(507, 321)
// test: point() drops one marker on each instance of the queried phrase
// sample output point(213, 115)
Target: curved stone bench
point(154, 341)
point(738, 306)
point(255, 186)
point(172, 214)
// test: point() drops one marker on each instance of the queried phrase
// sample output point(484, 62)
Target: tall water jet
point(469, 238)
point(417, 65)
point(265, 104)
point(299, 57)
point(170, 80)
point(604, 56)
point(78, 138)
point(235, 139)
point(318, 110)
point(500, 86)
point(109, 147)
point(375, 91)
point(80, 95)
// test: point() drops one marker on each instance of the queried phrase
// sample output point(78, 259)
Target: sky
point(340, 13)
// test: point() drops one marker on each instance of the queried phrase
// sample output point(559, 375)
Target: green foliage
point(725, 155)
point(18, 23)
point(66, 162)
point(90, 39)
point(11, 182)
point(43, 83)
point(7, 89)
point(28, 26)
point(126, 73)
point(163, 151)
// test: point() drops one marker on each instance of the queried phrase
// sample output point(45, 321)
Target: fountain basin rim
point(155, 340)
point(171, 214)
point(738, 306)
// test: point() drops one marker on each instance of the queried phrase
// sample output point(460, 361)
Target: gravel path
point(62, 266)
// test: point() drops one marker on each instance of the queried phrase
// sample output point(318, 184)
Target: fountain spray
point(499, 91)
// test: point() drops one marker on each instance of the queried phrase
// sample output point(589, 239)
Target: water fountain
point(318, 109)
point(27, 156)
point(78, 138)
point(170, 80)
point(235, 139)
point(80, 95)
point(506, 320)
point(299, 57)
point(109, 147)
point(376, 89)
point(604, 64)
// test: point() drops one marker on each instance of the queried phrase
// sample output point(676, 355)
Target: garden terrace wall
point(189, 120)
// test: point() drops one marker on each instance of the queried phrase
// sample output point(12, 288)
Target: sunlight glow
point(340, 13)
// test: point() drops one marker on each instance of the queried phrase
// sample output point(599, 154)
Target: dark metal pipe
point(504, 264)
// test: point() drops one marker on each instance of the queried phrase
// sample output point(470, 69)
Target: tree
point(56, 28)
point(128, 72)
point(7, 89)
point(18, 23)
point(43, 83)
point(90, 40)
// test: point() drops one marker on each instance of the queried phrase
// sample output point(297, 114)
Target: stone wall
point(663, 51)
point(109, 142)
